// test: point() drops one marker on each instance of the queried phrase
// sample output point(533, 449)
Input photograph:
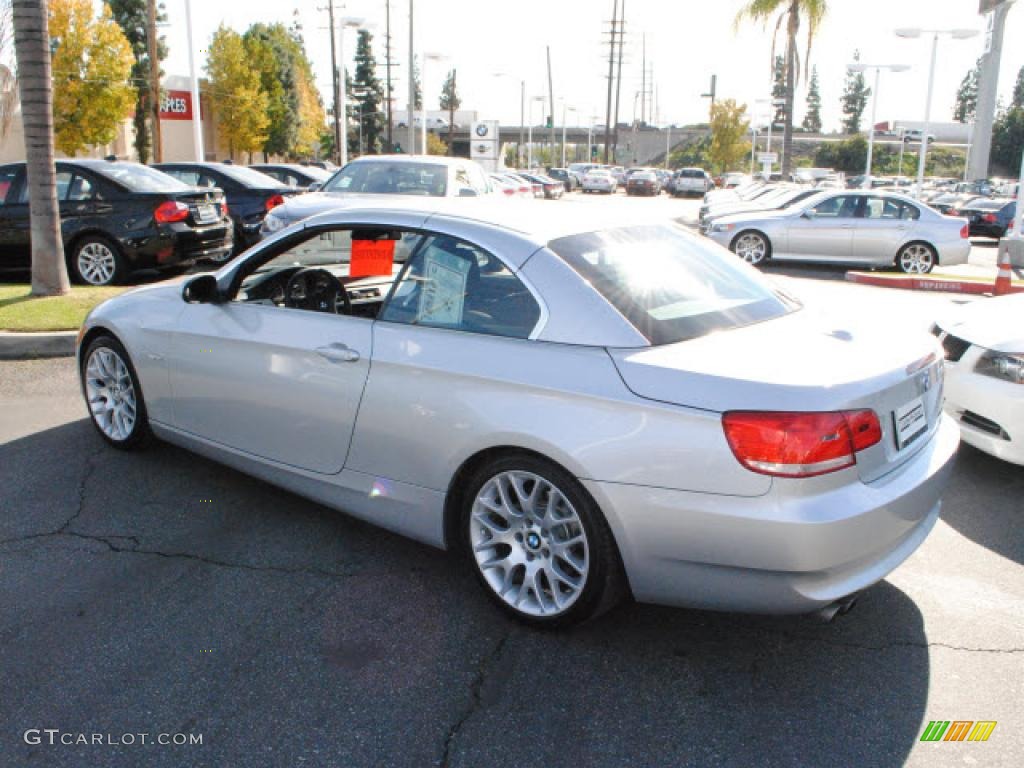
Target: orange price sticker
point(372, 257)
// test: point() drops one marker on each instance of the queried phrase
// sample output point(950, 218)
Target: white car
point(599, 180)
point(691, 181)
point(984, 345)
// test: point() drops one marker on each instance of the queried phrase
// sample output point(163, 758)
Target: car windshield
point(141, 178)
point(427, 179)
point(669, 285)
point(249, 177)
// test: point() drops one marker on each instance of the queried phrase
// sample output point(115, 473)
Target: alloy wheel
point(751, 248)
point(96, 263)
point(529, 543)
point(917, 259)
point(111, 394)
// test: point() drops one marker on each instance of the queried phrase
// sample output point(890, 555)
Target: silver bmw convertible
point(582, 406)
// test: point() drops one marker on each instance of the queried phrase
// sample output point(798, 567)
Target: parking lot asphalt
point(156, 592)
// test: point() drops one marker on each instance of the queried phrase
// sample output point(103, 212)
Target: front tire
point(113, 394)
point(753, 247)
point(916, 259)
point(538, 543)
point(97, 261)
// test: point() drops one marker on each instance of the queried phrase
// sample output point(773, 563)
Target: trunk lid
point(802, 362)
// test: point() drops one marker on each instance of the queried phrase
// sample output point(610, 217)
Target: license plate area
point(910, 421)
point(206, 213)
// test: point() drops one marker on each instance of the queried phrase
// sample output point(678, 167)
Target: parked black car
point(988, 217)
point(250, 194)
point(643, 183)
point(561, 174)
point(116, 218)
point(553, 188)
point(301, 177)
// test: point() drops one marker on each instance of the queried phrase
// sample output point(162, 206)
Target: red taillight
point(989, 218)
point(170, 211)
point(800, 444)
point(273, 201)
point(508, 191)
point(965, 231)
point(224, 209)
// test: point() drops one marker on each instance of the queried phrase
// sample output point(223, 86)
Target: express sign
point(176, 105)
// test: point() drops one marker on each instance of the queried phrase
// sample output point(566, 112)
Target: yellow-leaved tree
point(239, 103)
point(91, 64)
point(311, 116)
point(729, 127)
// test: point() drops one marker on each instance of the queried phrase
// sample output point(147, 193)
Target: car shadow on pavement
point(995, 527)
point(174, 593)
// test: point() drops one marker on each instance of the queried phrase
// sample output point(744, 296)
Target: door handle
point(338, 353)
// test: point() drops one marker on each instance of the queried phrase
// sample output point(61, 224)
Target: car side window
point(80, 189)
point(839, 207)
point(452, 284)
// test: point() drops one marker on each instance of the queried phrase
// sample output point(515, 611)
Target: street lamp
point(913, 33)
point(529, 140)
point(564, 109)
point(423, 77)
point(346, 23)
point(522, 112)
point(858, 67)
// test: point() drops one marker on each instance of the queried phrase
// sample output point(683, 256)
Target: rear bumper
point(177, 244)
point(956, 253)
point(785, 552)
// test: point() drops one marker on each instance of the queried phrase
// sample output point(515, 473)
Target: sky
point(686, 42)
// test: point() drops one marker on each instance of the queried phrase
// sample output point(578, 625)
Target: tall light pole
point(529, 140)
point(978, 153)
point(564, 109)
point(197, 112)
point(859, 67)
point(914, 33)
point(522, 112)
point(412, 89)
point(423, 112)
point(343, 24)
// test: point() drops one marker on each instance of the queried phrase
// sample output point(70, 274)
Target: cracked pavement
point(159, 592)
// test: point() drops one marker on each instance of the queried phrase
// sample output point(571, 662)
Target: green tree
point(692, 154)
point(849, 156)
point(132, 17)
point(1018, 90)
point(92, 66)
point(370, 93)
point(793, 13)
point(436, 145)
point(1008, 141)
point(855, 99)
point(239, 104)
point(32, 51)
point(450, 102)
point(729, 127)
point(417, 85)
point(967, 96)
point(779, 90)
point(812, 120)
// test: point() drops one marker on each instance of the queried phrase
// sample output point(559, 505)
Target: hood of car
point(996, 323)
point(801, 362)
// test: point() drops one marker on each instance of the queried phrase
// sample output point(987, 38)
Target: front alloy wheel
point(751, 247)
point(916, 259)
point(112, 393)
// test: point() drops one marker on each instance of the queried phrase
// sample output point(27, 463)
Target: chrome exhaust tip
point(840, 607)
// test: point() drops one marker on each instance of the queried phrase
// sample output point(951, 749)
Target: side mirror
point(467, 192)
point(201, 289)
point(315, 186)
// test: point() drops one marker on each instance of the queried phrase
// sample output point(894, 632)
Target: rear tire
point(916, 259)
point(98, 261)
point(538, 543)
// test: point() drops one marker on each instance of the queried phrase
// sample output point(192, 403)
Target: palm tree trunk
point(787, 137)
point(32, 49)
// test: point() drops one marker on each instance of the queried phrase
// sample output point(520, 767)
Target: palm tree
point(32, 52)
point(790, 11)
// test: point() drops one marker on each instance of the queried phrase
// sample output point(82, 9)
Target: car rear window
point(692, 174)
point(391, 178)
point(140, 178)
point(669, 285)
point(249, 177)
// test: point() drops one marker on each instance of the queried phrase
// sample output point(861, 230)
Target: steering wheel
point(316, 290)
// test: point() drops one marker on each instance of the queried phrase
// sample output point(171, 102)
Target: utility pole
point(412, 90)
point(197, 112)
point(551, 101)
point(618, 81)
point(712, 93)
point(643, 79)
point(611, 80)
point(988, 83)
point(153, 49)
point(387, 66)
point(334, 81)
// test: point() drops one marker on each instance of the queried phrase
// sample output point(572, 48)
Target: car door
point(81, 200)
point(275, 382)
point(884, 224)
point(825, 232)
point(15, 246)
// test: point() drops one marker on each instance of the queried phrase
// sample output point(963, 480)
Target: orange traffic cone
point(1005, 273)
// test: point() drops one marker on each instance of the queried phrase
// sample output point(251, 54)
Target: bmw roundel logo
point(481, 130)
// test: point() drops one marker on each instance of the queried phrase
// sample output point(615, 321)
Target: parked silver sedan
point(849, 227)
point(583, 411)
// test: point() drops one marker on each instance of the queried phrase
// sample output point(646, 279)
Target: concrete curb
point(26, 346)
point(928, 283)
